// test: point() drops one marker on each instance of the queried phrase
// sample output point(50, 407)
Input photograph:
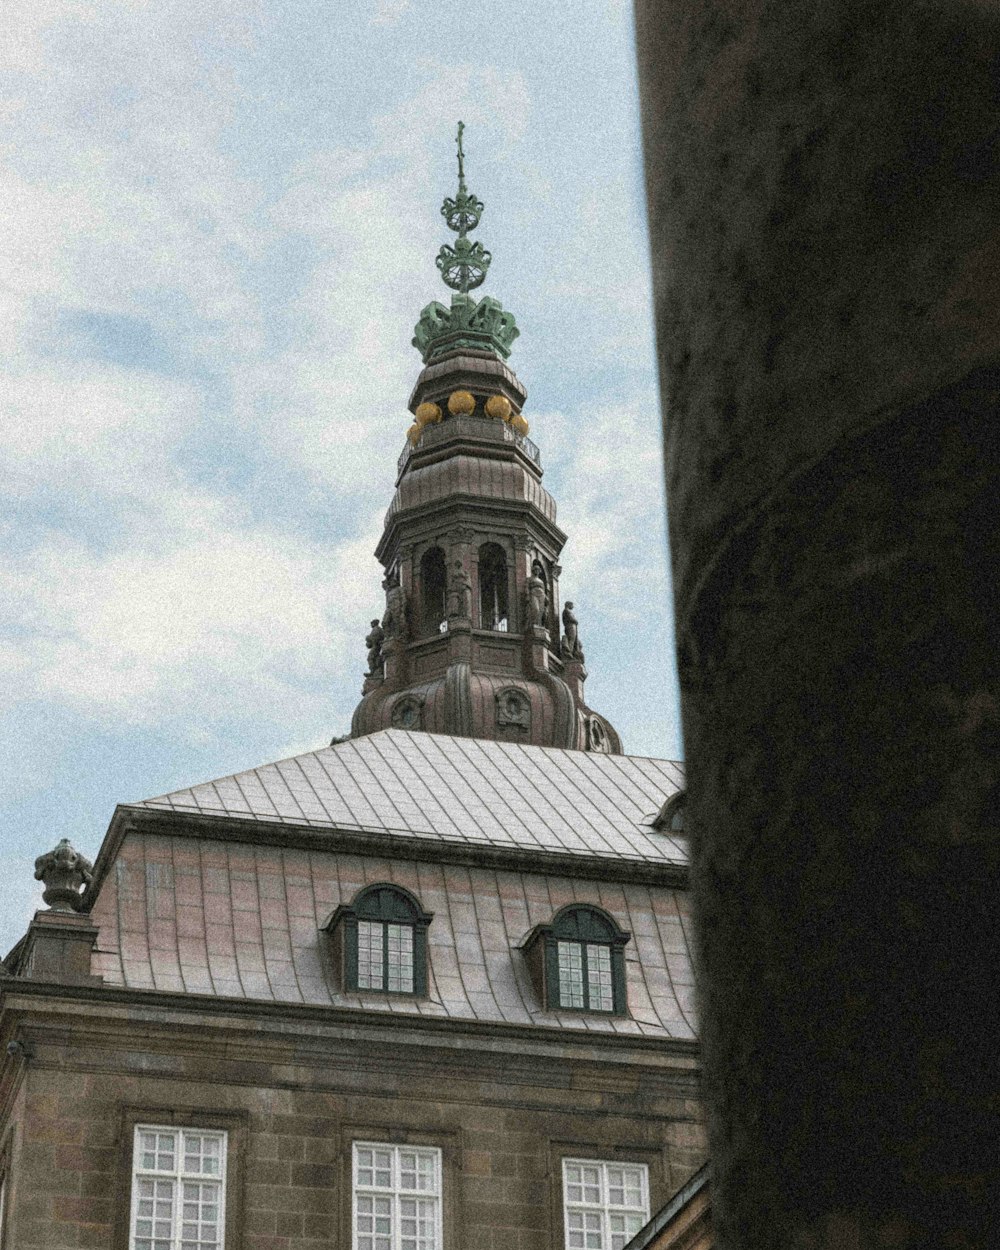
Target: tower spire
point(466, 323)
point(463, 267)
point(461, 158)
point(470, 643)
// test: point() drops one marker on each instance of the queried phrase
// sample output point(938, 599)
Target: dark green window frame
point(671, 816)
point(584, 925)
point(387, 905)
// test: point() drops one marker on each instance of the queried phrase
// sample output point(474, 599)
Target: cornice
point(352, 1023)
point(373, 842)
point(465, 443)
point(451, 506)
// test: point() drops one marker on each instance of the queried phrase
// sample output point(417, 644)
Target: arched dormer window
point(380, 941)
point(433, 578)
point(494, 610)
point(578, 961)
point(670, 817)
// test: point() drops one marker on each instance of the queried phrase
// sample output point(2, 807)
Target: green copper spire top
point(482, 326)
point(463, 267)
point(461, 158)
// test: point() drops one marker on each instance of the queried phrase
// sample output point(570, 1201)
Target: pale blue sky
point(219, 227)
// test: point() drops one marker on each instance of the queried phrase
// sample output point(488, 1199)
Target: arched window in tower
point(493, 604)
point(433, 577)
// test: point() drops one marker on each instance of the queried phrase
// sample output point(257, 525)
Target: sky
point(217, 231)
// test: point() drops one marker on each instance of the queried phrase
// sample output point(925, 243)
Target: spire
point(482, 325)
point(463, 267)
point(470, 641)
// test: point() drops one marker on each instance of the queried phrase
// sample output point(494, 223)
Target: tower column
point(823, 186)
point(462, 578)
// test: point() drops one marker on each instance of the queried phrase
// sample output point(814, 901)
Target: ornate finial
point(463, 267)
point(482, 325)
point(63, 871)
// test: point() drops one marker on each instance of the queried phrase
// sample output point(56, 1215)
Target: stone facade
point(294, 1090)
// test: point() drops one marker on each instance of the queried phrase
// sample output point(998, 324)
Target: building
point(428, 987)
point(684, 1223)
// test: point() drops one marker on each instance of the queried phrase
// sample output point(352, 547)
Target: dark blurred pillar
point(824, 198)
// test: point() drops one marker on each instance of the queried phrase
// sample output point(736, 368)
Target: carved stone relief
point(513, 709)
point(64, 872)
point(597, 737)
point(408, 712)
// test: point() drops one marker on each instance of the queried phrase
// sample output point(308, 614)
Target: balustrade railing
point(451, 427)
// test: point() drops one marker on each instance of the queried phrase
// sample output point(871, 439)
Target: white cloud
point(200, 618)
point(607, 461)
point(202, 605)
point(82, 428)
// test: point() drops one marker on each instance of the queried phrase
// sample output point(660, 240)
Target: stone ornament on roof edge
point(65, 873)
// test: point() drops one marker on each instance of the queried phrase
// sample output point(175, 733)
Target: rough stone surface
point(293, 1101)
point(823, 188)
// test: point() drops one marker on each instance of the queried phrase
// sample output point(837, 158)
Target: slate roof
point(195, 915)
point(243, 919)
point(462, 790)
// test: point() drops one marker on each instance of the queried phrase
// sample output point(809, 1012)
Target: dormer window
point(380, 941)
point(578, 961)
point(670, 817)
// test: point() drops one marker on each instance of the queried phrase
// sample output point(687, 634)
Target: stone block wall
point(293, 1102)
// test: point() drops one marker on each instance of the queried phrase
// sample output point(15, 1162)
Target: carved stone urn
point(64, 872)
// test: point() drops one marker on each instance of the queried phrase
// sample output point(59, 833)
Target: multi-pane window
point(380, 941)
point(178, 1189)
point(385, 956)
point(397, 1197)
point(578, 960)
point(585, 976)
point(605, 1204)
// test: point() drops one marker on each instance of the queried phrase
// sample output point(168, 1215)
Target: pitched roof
point(242, 918)
point(468, 791)
point(244, 921)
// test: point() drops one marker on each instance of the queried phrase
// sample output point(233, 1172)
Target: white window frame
point(395, 1193)
point(589, 954)
point(406, 939)
point(603, 1207)
point(178, 1176)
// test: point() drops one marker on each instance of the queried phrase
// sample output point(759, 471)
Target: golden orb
point(498, 406)
point(461, 403)
point(426, 413)
point(519, 424)
point(413, 433)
